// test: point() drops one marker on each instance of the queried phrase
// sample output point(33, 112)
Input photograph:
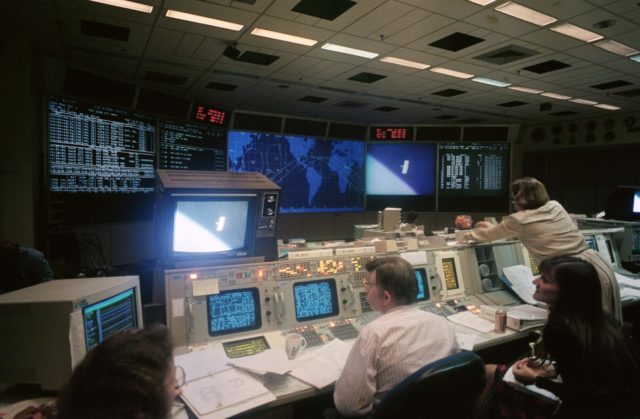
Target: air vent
point(506, 55)
point(234, 74)
point(445, 117)
point(251, 2)
point(449, 92)
point(386, 109)
point(335, 89)
point(312, 99)
point(611, 85)
point(563, 113)
point(546, 67)
point(417, 102)
point(365, 77)
point(324, 9)
point(165, 78)
point(259, 58)
point(350, 104)
point(221, 86)
point(512, 104)
point(456, 41)
point(628, 93)
point(104, 30)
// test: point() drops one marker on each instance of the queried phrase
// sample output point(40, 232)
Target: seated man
point(21, 267)
point(394, 345)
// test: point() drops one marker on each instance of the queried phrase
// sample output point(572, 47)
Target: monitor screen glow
point(109, 316)
point(636, 203)
point(315, 299)
point(423, 285)
point(233, 311)
point(204, 226)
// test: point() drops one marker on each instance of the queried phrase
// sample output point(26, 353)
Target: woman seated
point(583, 357)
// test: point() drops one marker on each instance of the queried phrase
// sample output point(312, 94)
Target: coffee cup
point(294, 344)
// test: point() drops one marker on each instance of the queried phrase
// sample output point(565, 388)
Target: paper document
point(466, 342)
point(625, 280)
point(473, 321)
point(225, 393)
point(527, 312)
point(323, 366)
point(198, 364)
point(511, 379)
point(519, 278)
point(270, 360)
point(629, 293)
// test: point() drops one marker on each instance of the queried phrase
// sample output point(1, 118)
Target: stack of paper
point(323, 366)
point(473, 321)
point(519, 279)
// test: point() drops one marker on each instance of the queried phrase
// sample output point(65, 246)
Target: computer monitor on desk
point(48, 328)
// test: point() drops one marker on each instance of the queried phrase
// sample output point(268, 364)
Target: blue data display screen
point(315, 299)
point(423, 285)
point(233, 311)
point(109, 316)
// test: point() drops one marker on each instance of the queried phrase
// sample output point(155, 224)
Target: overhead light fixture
point(350, 51)
point(583, 101)
point(406, 63)
point(126, 4)
point(491, 82)
point(616, 48)
point(636, 58)
point(482, 2)
point(204, 20)
point(452, 73)
point(576, 32)
point(283, 37)
point(526, 90)
point(555, 96)
point(524, 13)
point(607, 107)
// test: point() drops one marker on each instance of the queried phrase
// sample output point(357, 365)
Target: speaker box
point(231, 52)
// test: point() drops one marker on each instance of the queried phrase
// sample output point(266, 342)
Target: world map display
point(316, 175)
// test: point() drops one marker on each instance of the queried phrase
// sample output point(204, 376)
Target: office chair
point(447, 388)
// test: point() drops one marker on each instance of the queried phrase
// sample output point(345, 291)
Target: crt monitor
point(423, 284)
point(315, 299)
point(233, 311)
point(623, 204)
point(50, 326)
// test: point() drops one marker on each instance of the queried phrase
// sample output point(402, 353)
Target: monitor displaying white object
point(47, 329)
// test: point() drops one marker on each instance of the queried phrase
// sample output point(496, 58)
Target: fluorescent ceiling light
point(528, 15)
point(482, 2)
point(636, 58)
point(555, 96)
point(616, 48)
point(576, 32)
point(406, 63)
point(350, 51)
point(126, 4)
point(283, 37)
point(204, 20)
point(607, 107)
point(526, 90)
point(583, 101)
point(452, 73)
point(491, 82)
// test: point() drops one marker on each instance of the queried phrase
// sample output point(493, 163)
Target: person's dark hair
point(123, 377)
point(606, 360)
point(528, 193)
point(397, 276)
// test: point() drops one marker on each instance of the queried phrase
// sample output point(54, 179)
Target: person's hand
point(483, 224)
point(526, 372)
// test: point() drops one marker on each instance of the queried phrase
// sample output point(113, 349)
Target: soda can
point(501, 321)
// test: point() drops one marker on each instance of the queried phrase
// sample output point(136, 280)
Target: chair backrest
point(447, 388)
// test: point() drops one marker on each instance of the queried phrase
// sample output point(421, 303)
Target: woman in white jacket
point(546, 229)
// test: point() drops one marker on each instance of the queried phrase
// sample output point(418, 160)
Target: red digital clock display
point(211, 115)
point(391, 133)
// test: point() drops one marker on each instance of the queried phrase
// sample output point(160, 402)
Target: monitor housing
point(43, 327)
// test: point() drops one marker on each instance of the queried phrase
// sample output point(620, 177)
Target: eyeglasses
point(368, 284)
point(181, 377)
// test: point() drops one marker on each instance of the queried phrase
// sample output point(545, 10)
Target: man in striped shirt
point(391, 347)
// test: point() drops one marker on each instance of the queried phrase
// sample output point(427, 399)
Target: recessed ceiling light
point(406, 63)
point(350, 51)
point(636, 58)
point(616, 48)
point(576, 32)
point(126, 4)
point(526, 90)
point(607, 107)
point(528, 15)
point(555, 96)
point(204, 20)
point(583, 101)
point(491, 82)
point(283, 37)
point(452, 73)
point(482, 2)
